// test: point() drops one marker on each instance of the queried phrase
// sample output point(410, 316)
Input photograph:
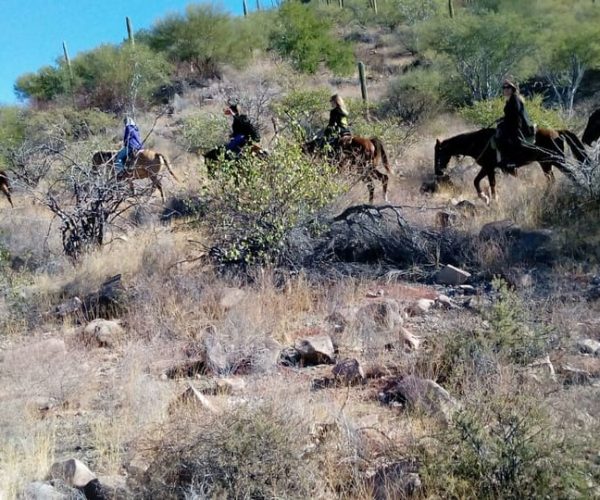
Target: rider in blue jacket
point(132, 144)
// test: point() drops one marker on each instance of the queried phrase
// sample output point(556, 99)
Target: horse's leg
point(158, 185)
point(384, 182)
point(477, 182)
point(492, 181)
point(547, 169)
point(371, 188)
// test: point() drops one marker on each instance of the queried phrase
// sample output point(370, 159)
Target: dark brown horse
point(592, 129)
point(360, 155)
point(146, 165)
point(5, 186)
point(547, 151)
point(212, 157)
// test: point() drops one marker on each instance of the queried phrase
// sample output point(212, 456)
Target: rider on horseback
point(243, 132)
point(132, 145)
point(514, 129)
point(337, 128)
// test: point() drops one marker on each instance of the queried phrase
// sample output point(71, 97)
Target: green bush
point(303, 112)
point(257, 202)
point(505, 448)
point(203, 131)
point(485, 113)
point(307, 39)
point(45, 85)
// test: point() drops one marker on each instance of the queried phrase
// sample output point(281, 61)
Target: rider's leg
point(120, 160)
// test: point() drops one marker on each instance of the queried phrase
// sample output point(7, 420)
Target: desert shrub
point(256, 202)
point(45, 85)
point(512, 336)
point(202, 131)
point(504, 448)
point(206, 37)
point(302, 112)
point(485, 113)
point(115, 78)
point(307, 39)
point(250, 452)
point(415, 95)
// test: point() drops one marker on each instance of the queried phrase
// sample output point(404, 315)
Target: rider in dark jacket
point(338, 120)
point(514, 128)
point(242, 130)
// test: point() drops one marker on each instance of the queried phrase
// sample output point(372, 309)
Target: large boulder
point(102, 333)
point(315, 350)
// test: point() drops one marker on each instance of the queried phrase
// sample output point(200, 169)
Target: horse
point(145, 165)
point(592, 129)
point(547, 151)
point(360, 153)
point(5, 186)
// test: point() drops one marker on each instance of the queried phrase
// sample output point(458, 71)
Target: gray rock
point(397, 480)
point(315, 350)
point(102, 333)
point(589, 346)
point(348, 372)
point(450, 275)
point(38, 490)
point(421, 395)
point(72, 472)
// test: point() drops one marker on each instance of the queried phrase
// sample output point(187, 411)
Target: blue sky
point(32, 31)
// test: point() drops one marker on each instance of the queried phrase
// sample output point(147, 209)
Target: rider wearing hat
point(242, 130)
point(132, 144)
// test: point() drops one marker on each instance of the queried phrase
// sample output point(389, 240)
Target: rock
point(541, 370)
point(588, 346)
point(94, 490)
point(342, 317)
point(231, 297)
point(397, 480)
point(68, 307)
point(444, 301)
point(466, 207)
point(39, 490)
point(186, 368)
point(102, 333)
point(383, 315)
point(373, 295)
point(108, 302)
point(230, 385)
point(450, 275)
point(574, 376)
point(420, 307)
point(72, 472)
point(215, 357)
point(191, 394)
point(315, 350)
point(290, 356)
point(409, 339)
point(348, 372)
point(467, 289)
point(419, 394)
point(445, 218)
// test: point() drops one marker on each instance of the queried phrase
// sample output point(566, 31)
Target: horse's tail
point(163, 159)
point(5, 187)
point(575, 144)
point(380, 151)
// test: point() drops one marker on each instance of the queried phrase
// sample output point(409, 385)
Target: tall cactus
point(245, 7)
point(363, 87)
point(70, 70)
point(451, 9)
point(129, 31)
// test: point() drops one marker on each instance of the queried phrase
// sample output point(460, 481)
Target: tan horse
point(5, 186)
point(146, 165)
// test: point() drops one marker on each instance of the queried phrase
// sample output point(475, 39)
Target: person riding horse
point(132, 145)
point(514, 130)
point(243, 132)
point(337, 131)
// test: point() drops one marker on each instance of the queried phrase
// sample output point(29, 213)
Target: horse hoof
point(485, 198)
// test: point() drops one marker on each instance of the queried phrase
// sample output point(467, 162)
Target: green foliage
point(202, 131)
point(307, 40)
point(303, 112)
point(44, 86)
point(504, 449)
point(12, 130)
point(415, 95)
point(116, 78)
point(482, 48)
point(207, 37)
point(485, 113)
point(257, 202)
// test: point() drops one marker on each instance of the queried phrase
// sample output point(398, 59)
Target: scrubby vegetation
point(265, 333)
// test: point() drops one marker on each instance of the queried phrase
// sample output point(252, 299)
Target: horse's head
point(441, 158)
point(592, 129)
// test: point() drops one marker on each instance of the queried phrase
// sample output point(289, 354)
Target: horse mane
point(469, 136)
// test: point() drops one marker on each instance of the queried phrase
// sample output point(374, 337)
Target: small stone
point(420, 307)
point(348, 371)
point(444, 301)
point(72, 472)
point(315, 350)
point(451, 275)
point(588, 346)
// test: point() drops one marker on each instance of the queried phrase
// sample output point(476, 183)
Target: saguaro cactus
point(129, 31)
point(451, 9)
point(363, 86)
point(70, 70)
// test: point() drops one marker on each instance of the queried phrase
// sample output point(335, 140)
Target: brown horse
point(5, 186)
point(361, 155)
point(547, 151)
point(212, 157)
point(146, 165)
point(592, 129)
